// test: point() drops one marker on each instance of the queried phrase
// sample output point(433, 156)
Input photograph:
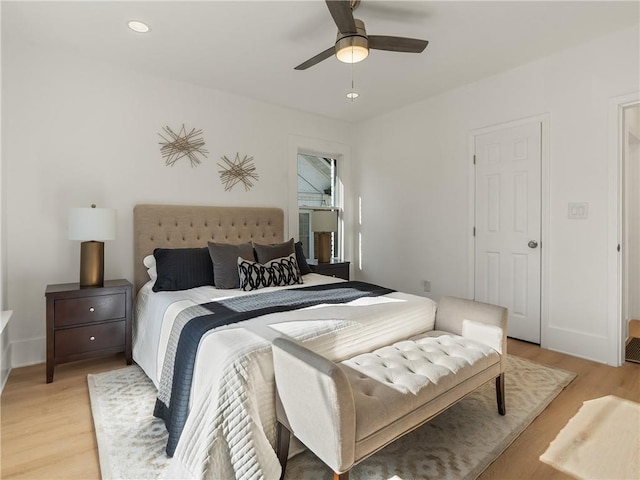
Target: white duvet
point(230, 431)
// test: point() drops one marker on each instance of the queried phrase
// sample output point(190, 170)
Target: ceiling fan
point(353, 44)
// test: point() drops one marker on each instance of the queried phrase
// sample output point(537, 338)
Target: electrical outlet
point(427, 285)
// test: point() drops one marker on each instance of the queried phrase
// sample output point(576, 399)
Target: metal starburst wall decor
point(182, 144)
point(237, 171)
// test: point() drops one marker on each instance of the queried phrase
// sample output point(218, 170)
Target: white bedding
point(230, 431)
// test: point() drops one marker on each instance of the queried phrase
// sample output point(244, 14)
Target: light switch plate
point(578, 211)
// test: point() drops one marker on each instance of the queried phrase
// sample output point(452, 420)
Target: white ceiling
point(250, 48)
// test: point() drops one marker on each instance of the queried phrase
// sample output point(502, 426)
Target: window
point(317, 190)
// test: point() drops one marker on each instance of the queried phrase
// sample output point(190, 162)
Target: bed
point(230, 429)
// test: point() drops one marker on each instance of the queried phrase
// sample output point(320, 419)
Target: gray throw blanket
point(172, 404)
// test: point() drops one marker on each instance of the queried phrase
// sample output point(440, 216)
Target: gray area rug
point(458, 444)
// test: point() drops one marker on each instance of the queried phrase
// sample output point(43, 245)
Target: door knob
point(532, 244)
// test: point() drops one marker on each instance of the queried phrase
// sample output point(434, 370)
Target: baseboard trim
point(28, 352)
point(577, 344)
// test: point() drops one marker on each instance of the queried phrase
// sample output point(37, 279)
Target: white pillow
point(150, 262)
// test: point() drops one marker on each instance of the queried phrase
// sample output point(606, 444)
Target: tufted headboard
point(184, 226)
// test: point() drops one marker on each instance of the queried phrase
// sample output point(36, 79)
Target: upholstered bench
point(344, 412)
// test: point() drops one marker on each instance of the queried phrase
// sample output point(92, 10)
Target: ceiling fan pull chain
point(352, 88)
point(352, 95)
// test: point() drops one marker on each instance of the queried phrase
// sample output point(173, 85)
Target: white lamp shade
point(324, 221)
point(88, 224)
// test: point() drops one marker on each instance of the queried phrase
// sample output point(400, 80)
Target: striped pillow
point(182, 269)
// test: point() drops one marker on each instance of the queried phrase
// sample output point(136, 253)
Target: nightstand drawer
point(72, 341)
point(73, 311)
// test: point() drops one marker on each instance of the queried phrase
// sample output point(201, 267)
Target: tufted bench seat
point(344, 412)
point(395, 381)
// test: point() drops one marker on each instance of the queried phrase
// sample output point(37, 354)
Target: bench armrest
point(317, 402)
point(479, 321)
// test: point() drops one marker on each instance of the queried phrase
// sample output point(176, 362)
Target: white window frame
point(342, 154)
point(335, 206)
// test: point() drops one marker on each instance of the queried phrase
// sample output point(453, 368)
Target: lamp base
point(322, 246)
point(91, 264)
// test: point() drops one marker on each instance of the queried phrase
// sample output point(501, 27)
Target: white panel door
point(508, 225)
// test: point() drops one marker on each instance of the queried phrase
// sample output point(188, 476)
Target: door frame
point(545, 121)
point(615, 319)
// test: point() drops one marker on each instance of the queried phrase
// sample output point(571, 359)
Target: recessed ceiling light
point(352, 95)
point(139, 27)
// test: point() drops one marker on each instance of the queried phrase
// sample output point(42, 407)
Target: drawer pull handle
point(92, 338)
point(92, 309)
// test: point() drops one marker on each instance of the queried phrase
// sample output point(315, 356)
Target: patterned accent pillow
point(274, 273)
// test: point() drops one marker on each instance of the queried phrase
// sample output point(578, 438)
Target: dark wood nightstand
point(332, 269)
point(87, 322)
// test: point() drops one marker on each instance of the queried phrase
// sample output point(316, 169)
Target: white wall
point(416, 161)
point(79, 132)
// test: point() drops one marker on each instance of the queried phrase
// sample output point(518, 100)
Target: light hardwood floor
point(47, 429)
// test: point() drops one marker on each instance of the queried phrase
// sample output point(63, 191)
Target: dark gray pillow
point(225, 262)
point(264, 253)
point(301, 259)
point(182, 268)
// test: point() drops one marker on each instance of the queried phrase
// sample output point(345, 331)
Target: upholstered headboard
point(184, 226)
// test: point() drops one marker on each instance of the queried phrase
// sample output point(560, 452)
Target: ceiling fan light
point(352, 95)
point(353, 48)
point(352, 54)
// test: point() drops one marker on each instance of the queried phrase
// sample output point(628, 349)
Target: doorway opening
point(630, 228)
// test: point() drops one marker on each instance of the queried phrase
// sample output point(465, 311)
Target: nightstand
point(87, 322)
point(333, 268)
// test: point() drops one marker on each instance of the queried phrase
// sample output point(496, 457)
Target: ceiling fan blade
point(317, 59)
point(343, 16)
point(397, 44)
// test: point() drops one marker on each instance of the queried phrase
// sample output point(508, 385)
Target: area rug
point(458, 444)
point(604, 428)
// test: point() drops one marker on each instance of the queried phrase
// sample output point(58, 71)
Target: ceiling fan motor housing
point(353, 47)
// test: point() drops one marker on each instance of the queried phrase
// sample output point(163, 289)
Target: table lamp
point(92, 226)
point(323, 223)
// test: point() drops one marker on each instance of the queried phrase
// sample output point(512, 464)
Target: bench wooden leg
point(341, 476)
point(502, 408)
point(282, 447)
